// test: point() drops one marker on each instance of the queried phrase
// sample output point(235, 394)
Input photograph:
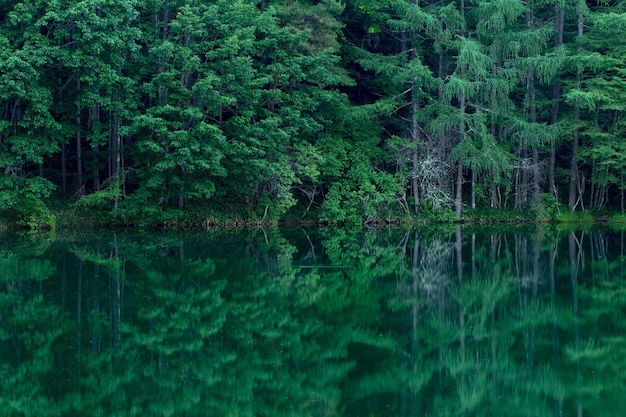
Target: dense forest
point(341, 111)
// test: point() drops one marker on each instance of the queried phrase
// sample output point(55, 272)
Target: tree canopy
point(352, 110)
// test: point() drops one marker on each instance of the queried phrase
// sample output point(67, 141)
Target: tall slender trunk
point(621, 199)
point(473, 189)
point(559, 17)
point(459, 254)
point(573, 182)
point(523, 185)
point(415, 136)
point(63, 168)
point(492, 130)
point(181, 192)
point(116, 151)
point(458, 200)
point(79, 145)
point(165, 19)
point(94, 123)
point(535, 147)
point(532, 112)
point(415, 127)
point(556, 97)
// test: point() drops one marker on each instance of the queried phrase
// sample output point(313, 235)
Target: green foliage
point(35, 215)
point(145, 109)
point(428, 213)
point(100, 200)
point(547, 208)
point(618, 220)
point(363, 196)
point(21, 201)
point(568, 217)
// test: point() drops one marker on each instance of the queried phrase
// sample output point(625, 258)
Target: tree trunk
point(63, 169)
point(458, 200)
point(573, 182)
point(94, 123)
point(473, 189)
point(79, 145)
point(559, 14)
point(116, 151)
point(415, 128)
point(532, 110)
point(414, 157)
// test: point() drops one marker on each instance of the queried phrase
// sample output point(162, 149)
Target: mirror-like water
point(295, 322)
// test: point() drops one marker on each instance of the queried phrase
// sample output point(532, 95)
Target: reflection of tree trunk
point(574, 253)
point(415, 351)
point(95, 339)
point(555, 330)
point(473, 258)
point(521, 257)
point(459, 271)
point(114, 283)
point(414, 273)
point(574, 248)
point(495, 328)
point(534, 303)
point(494, 356)
point(599, 255)
point(64, 283)
point(79, 306)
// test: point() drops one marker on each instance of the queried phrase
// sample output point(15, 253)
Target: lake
point(314, 322)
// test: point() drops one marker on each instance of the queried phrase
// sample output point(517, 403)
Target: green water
point(295, 322)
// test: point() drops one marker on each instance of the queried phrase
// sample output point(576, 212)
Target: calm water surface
point(294, 322)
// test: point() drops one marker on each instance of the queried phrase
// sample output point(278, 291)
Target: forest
point(355, 111)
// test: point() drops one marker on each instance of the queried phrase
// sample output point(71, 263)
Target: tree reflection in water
point(314, 322)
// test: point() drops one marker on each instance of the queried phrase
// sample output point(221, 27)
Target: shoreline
point(196, 221)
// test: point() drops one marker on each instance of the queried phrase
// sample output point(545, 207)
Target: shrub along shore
point(70, 217)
